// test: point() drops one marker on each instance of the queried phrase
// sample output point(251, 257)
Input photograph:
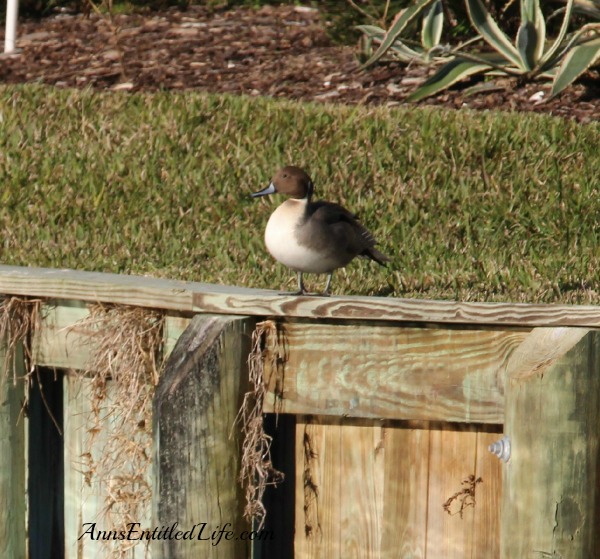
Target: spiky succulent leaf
point(398, 50)
point(548, 59)
point(540, 26)
point(403, 20)
point(405, 53)
point(493, 35)
point(527, 44)
point(372, 31)
point(433, 23)
point(574, 63)
point(590, 8)
point(450, 73)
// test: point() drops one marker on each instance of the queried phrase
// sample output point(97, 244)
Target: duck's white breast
point(280, 238)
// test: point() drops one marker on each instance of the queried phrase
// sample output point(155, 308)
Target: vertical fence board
point(85, 493)
point(362, 474)
point(456, 453)
point(82, 503)
point(486, 521)
point(551, 489)
point(197, 459)
point(341, 516)
point(318, 488)
point(379, 491)
point(405, 492)
point(451, 460)
point(12, 459)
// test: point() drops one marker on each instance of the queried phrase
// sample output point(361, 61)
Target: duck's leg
point(301, 289)
point(326, 293)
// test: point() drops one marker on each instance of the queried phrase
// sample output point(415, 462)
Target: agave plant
point(403, 49)
point(531, 56)
point(588, 8)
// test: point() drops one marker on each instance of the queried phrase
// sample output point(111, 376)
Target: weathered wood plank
point(540, 349)
point(486, 521)
point(339, 488)
point(63, 343)
point(390, 372)
point(87, 500)
point(551, 485)
point(196, 462)
point(13, 494)
point(398, 310)
point(174, 327)
point(206, 298)
point(451, 460)
point(60, 342)
point(405, 492)
point(83, 500)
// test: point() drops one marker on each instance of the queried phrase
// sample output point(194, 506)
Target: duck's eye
point(285, 175)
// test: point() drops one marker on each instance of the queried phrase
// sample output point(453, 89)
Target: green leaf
point(527, 43)
point(433, 23)
point(403, 20)
point(489, 30)
point(399, 50)
point(575, 62)
point(587, 8)
point(405, 53)
point(548, 58)
point(449, 74)
point(540, 26)
point(372, 31)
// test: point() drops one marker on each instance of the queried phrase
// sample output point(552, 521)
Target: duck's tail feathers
point(376, 255)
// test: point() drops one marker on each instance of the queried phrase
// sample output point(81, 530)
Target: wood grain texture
point(358, 370)
point(85, 495)
point(551, 484)
point(83, 501)
point(174, 327)
point(196, 462)
point(486, 521)
point(63, 343)
point(451, 460)
point(193, 297)
point(343, 515)
point(377, 490)
point(60, 342)
point(540, 349)
point(405, 488)
point(13, 494)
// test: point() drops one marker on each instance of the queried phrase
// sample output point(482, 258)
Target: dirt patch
point(279, 51)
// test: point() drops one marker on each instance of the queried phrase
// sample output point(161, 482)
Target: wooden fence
point(386, 411)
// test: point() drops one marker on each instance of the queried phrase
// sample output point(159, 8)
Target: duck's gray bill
point(269, 190)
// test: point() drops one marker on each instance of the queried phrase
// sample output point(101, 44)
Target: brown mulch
point(279, 51)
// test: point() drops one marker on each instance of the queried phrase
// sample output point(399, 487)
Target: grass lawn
point(472, 206)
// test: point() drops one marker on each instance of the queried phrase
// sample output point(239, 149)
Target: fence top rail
point(192, 297)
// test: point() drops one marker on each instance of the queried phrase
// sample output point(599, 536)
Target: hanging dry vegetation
point(123, 369)
point(257, 470)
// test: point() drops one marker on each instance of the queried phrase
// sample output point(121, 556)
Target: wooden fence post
point(551, 484)
point(196, 450)
point(12, 459)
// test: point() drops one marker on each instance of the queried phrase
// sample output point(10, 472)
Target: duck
point(313, 236)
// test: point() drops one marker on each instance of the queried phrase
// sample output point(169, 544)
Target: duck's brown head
point(289, 180)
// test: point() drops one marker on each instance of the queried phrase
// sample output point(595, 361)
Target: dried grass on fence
point(257, 469)
point(20, 317)
point(124, 370)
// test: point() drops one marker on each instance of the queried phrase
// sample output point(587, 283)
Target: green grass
point(159, 184)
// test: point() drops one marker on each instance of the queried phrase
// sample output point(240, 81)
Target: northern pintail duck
point(313, 237)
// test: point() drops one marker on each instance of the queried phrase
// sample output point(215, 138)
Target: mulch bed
point(279, 51)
